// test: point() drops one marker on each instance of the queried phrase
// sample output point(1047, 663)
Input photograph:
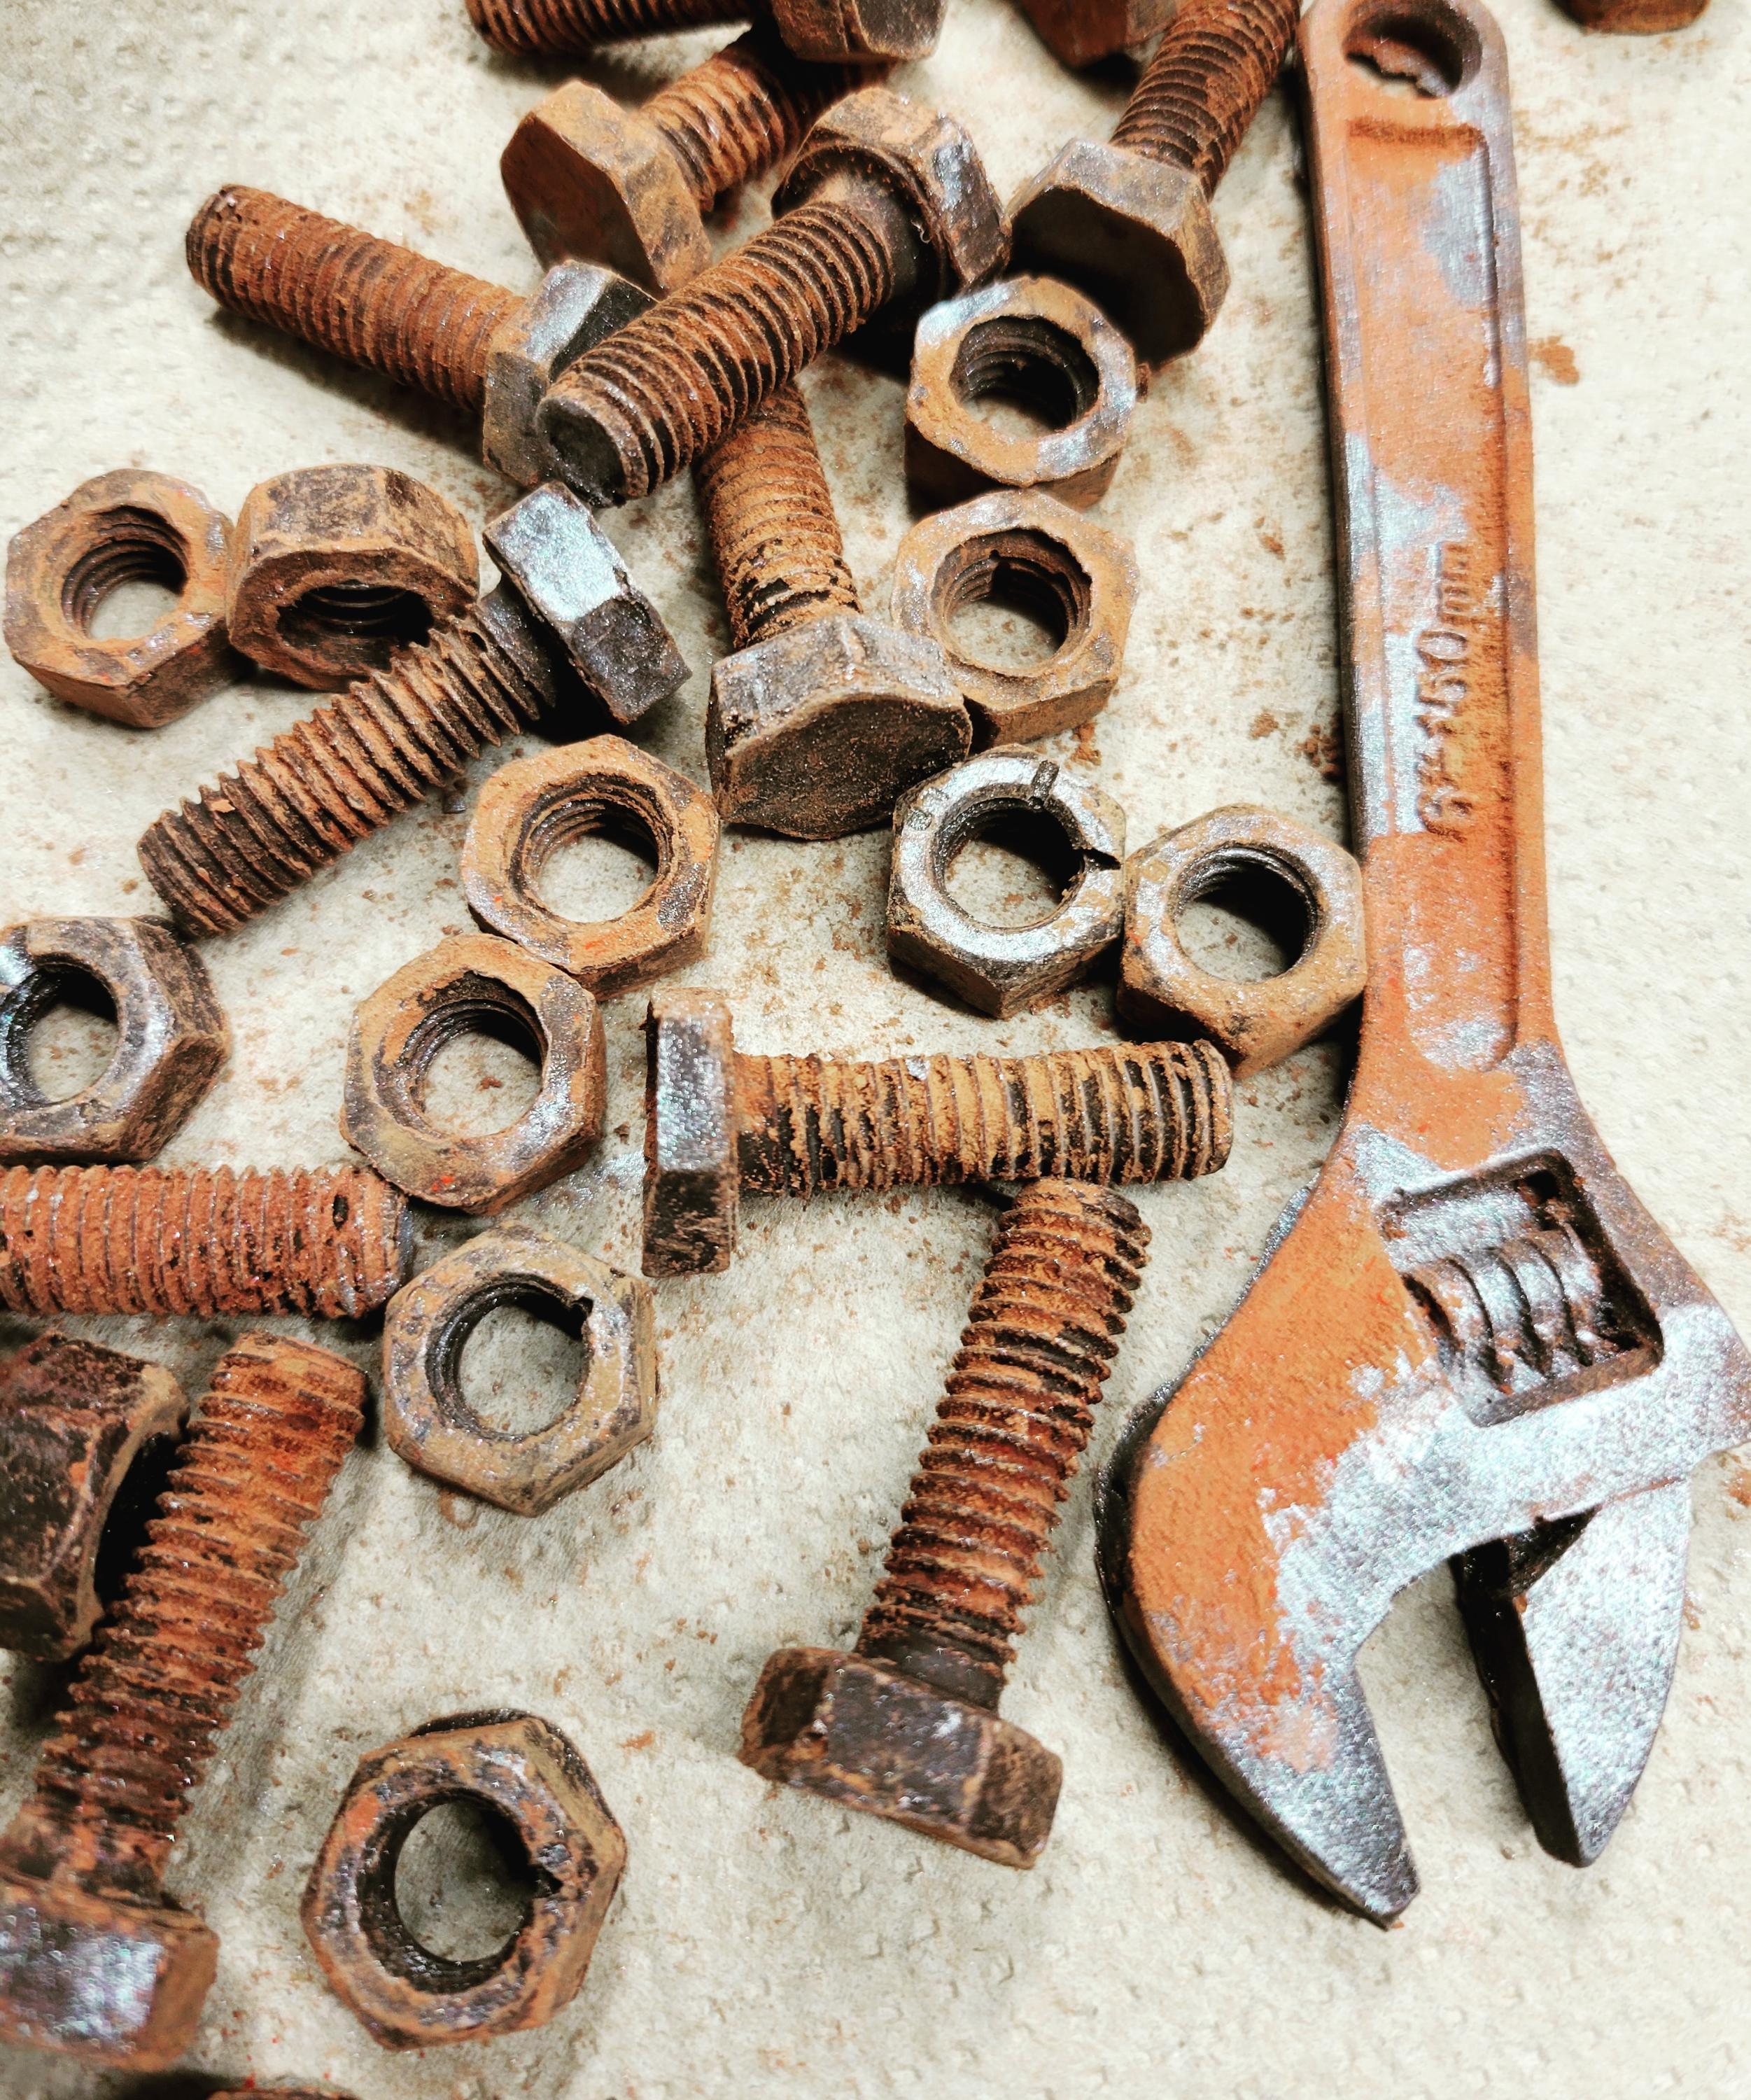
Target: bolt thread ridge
point(568, 28)
point(200, 1240)
point(744, 110)
point(1012, 1423)
point(667, 386)
point(769, 513)
point(158, 1684)
point(369, 301)
point(1215, 65)
point(386, 742)
point(1137, 1113)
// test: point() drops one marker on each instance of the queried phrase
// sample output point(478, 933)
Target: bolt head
point(578, 306)
point(854, 30)
point(692, 1173)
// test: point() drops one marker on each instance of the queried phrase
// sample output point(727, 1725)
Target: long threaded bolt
point(200, 1240)
point(570, 29)
point(719, 1123)
point(907, 1726)
point(1197, 96)
point(94, 1960)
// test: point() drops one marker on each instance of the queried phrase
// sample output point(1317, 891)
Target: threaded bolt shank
point(745, 110)
point(567, 28)
point(1215, 65)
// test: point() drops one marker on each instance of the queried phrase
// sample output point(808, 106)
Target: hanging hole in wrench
point(1245, 918)
point(1013, 870)
point(1421, 47)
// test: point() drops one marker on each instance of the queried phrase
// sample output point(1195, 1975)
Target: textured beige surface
point(765, 1944)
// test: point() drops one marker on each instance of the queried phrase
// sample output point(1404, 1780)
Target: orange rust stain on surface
point(1555, 359)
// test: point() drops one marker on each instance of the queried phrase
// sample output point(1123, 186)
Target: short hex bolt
point(861, 31)
point(719, 1121)
point(1129, 223)
point(906, 1726)
point(95, 1962)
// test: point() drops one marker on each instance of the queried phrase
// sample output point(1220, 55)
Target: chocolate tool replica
point(1472, 1343)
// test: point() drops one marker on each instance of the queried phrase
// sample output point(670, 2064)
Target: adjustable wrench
point(1471, 1340)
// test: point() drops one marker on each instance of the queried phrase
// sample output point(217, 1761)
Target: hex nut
point(692, 1171)
point(1003, 969)
point(1135, 234)
point(170, 1037)
point(86, 1434)
point(814, 731)
point(531, 808)
point(1254, 1022)
point(467, 981)
point(563, 570)
point(1031, 339)
point(577, 305)
point(520, 1768)
point(1020, 545)
point(860, 29)
point(1079, 32)
point(426, 1416)
point(333, 569)
point(590, 178)
point(129, 526)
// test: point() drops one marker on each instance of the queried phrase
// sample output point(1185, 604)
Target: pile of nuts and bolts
point(147, 1541)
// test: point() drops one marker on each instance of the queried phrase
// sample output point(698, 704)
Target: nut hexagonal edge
point(577, 305)
point(692, 1175)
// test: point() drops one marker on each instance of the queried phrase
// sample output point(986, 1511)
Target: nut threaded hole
point(513, 1359)
point(587, 859)
point(474, 1067)
point(1246, 915)
point(470, 1886)
point(1012, 600)
point(1024, 375)
point(129, 581)
point(387, 614)
point(59, 1032)
point(1012, 868)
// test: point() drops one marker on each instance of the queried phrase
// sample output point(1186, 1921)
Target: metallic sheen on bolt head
point(576, 304)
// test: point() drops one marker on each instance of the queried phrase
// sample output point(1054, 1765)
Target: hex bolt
point(95, 1961)
point(860, 30)
point(206, 1241)
point(1129, 223)
point(719, 1121)
point(907, 1726)
point(885, 201)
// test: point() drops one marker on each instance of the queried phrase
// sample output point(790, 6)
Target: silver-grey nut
point(692, 1173)
point(1003, 969)
point(1254, 1021)
point(426, 1416)
point(579, 305)
point(815, 731)
point(1135, 234)
point(170, 1037)
point(1028, 339)
point(1025, 547)
point(927, 159)
point(564, 569)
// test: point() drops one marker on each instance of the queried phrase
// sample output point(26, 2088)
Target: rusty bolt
point(1080, 32)
point(95, 1961)
point(1130, 223)
point(719, 1123)
point(170, 1037)
point(200, 1240)
point(819, 29)
point(427, 1415)
point(334, 567)
point(129, 526)
point(885, 200)
point(525, 1773)
point(85, 1434)
point(1632, 18)
point(907, 1726)
point(564, 621)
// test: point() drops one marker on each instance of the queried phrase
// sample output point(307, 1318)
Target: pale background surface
point(762, 1942)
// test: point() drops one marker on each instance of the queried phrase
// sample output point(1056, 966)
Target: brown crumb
point(1739, 1482)
point(1322, 750)
point(1088, 751)
point(646, 1741)
point(1555, 359)
point(458, 1509)
point(1263, 723)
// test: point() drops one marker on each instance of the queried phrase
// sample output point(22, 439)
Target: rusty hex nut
point(588, 178)
point(1136, 233)
point(854, 30)
point(519, 1768)
point(464, 982)
point(531, 808)
point(333, 569)
point(1027, 339)
point(1079, 32)
point(577, 305)
point(1253, 1022)
point(693, 1178)
point(1018, 546)
point(1003, 969)
point(815, 731)
point(170, 1037)
point(426, 1416)
point(86, 1434)
point(129, 526)
point(868, 1736)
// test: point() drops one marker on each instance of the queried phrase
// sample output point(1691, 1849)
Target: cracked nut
point(474, 984)
point(1031, 341)
point(1003, 969)
point(1258, 1021)
point(529, 810)
point(170, 1037)
point(1020, 548)
point(126, 527)
point(333, 569)
point(426, 1416)
point(525, 1774)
